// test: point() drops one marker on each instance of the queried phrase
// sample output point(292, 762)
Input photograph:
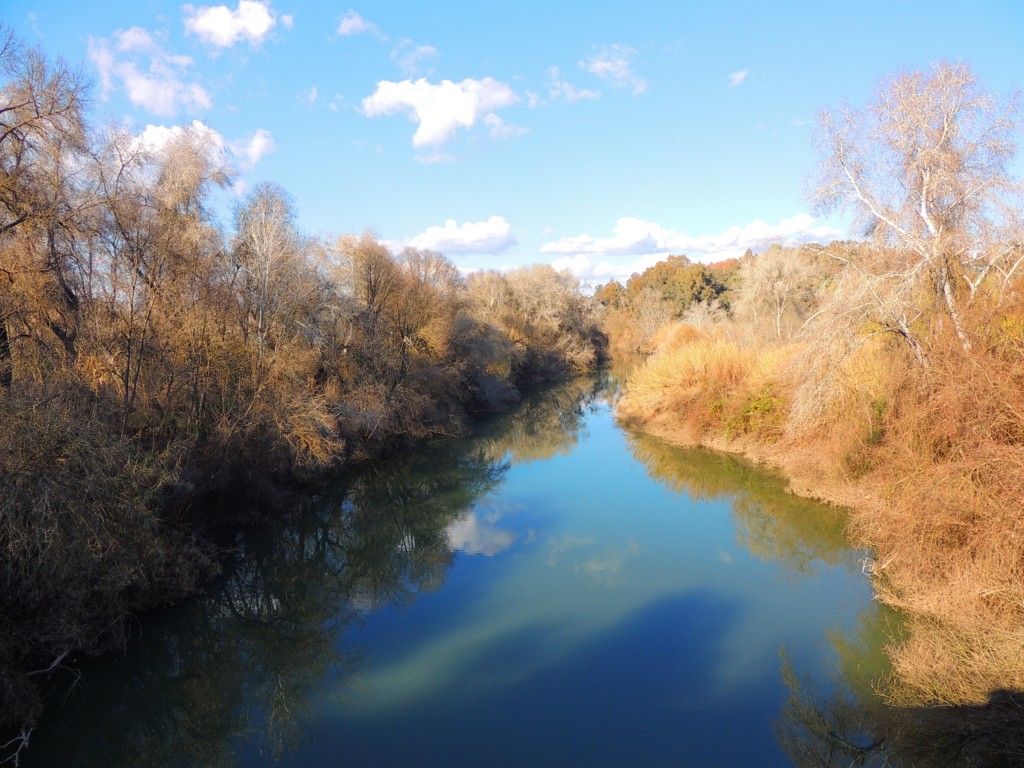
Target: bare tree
point(268, 250)
point(42, 136)
point(780, 285)
point(924, 169)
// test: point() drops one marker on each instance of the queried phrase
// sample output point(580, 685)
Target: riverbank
point(933, 486)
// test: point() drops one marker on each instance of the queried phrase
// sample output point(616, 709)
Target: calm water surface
point(554, 591)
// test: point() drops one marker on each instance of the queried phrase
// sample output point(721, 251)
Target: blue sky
point(598, 137)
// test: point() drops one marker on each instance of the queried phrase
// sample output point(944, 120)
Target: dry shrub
point(942, 663)
point(700, 381)
point(842, 400)
point(949, 536)
point(80, 539)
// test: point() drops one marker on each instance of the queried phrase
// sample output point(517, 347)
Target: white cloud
point(310, 95)
point(613, 63)
point(736, 78)
point(412, 58)
point(250, 151)
point(439, 109)
point(560, 89)
point(474, 536)
point(288, 21)
point(354, 24)
point(219, 26)
point(161, 87)
point(590, 257)
point(585, 268)
point(492, 236)
point(255, 148)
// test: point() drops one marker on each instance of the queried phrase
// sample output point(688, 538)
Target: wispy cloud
point(222, 27)
point(413, 58)
point(134, 40)
point(150, 77)
point(561, 89)
point(493, 236)
point(310, 96)
point(439, 109)
point(502, 130)
point(614, 64)
point(354, 24)
point(737, 78)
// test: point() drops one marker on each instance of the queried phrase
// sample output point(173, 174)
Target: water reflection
point(240, 664)
point(240, 676)
point(842, 721)
point(845, 727)
point(548, 424)
point(770, 523)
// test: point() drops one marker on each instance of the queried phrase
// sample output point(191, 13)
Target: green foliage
point(678, 281)
point(760, 413)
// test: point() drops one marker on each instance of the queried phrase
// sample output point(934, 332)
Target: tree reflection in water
point(846, 728)
point(770, 523)
point(242, 664)
point(547, 424)
point(845, 722)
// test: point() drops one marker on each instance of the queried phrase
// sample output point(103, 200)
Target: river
point(553, 591)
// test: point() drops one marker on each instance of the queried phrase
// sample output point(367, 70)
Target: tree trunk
point(6, 364)
point(953, 310)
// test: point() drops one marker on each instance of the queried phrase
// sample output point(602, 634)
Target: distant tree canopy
point(678, 281)
point(662, 293)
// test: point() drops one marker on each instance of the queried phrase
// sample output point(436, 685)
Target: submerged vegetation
point(154, 363)
point(888, 373)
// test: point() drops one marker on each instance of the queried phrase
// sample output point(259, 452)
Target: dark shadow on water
point(577, 711)
point(840, 729)
point(241, 664)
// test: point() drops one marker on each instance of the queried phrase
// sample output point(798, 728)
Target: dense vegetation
point(889, 373)
point(152, 358)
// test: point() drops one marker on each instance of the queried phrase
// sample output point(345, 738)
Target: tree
point(924, 170)
point(679, 281)
point(155, 251)
point(610, 295)
point(781, 285)
point(268, 250)
point(42, 132)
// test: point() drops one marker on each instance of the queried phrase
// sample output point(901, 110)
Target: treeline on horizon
point(150, 358)
point(886, 373)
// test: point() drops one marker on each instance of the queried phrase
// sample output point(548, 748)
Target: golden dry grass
point(700, 381)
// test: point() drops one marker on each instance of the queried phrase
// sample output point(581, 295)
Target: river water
point(554, 591)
